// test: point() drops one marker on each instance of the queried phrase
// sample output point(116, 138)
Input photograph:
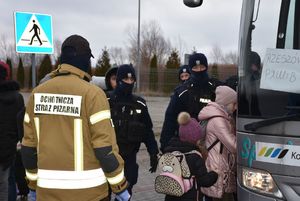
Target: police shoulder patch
point(140, 100)
point(182, 89)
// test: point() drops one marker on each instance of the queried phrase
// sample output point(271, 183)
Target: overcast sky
point(104, 23)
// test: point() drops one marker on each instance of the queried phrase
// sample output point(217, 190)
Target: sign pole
point(138, 50)
point(33, 71)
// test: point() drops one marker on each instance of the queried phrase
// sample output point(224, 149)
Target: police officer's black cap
point(79, 44)
point(125, 71)
point(197, 59)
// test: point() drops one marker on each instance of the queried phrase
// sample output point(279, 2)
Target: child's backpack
point(175, 177)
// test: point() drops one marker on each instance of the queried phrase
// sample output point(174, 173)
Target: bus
point(268, 127)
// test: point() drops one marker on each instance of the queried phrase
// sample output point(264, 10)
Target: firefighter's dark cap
point(79, 43)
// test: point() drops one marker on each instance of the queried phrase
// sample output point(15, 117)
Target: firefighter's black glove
point(153, 163)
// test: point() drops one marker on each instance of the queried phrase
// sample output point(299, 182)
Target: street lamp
point(138, 48)
point(192, 3)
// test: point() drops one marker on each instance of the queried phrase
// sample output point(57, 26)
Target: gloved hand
point(32, 195)
point(208, 179)
point(153, 163)
point(124, 196)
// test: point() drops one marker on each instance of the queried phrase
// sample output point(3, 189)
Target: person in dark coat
point(248, 98)
point(184, 73)
point(191, 96)
point(133, 124)
point(111, 79)
point(190, 136)
point(11, 103)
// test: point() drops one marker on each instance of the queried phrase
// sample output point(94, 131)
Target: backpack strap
point(217, 140)
point(213, 144)
point(193, 152)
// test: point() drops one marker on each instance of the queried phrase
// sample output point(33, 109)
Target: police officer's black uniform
point(191, 97)
point(132, 124)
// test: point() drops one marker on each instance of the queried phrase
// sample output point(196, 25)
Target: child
point(221, 128)
point(189, 137)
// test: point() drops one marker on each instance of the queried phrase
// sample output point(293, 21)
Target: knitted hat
point(76, 51)
point(183, 69)
point(197, 59)
point(4, 71)
point(125, 71)
point(189, 128)
point(79, 44)
point(225, 95)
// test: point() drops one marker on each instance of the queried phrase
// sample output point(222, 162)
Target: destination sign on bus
point(281, 70)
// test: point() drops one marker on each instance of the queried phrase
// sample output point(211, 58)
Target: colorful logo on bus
point(283, 154)
point(248, 151)
point(272, 152)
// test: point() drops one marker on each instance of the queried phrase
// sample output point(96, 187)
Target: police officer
point(132, 123)
point(183, 73)
point(69, 144)
point(191, 96)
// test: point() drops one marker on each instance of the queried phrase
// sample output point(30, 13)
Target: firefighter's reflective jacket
point(132, 123)
point(69, 145)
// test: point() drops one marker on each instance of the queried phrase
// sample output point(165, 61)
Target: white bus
point(268, 127)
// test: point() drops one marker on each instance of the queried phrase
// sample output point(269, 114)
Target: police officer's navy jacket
point(190, 97)
point(132, 123)
point(69, 145)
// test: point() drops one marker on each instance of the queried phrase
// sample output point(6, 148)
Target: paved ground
point(144, 189)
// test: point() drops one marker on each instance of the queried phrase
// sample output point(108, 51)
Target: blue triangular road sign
point(33, 33)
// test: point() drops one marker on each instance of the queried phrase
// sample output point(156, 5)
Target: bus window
point(272, 28)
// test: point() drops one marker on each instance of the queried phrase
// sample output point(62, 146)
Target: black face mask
point(82, 62)
point(124, 89)
point(199, 77)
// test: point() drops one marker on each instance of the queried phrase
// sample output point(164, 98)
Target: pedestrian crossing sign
point(33, 33)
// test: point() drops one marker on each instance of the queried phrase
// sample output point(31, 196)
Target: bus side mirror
point(193, 3)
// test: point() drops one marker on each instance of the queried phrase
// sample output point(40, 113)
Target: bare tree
point(7, 49)
point(231, 58)
point(217, 54)
point(117, 55)
point(181, 46)
point(57, 48)
point(152, 43)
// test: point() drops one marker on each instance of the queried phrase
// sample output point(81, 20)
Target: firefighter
point(132, 123)
point(69, 146)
